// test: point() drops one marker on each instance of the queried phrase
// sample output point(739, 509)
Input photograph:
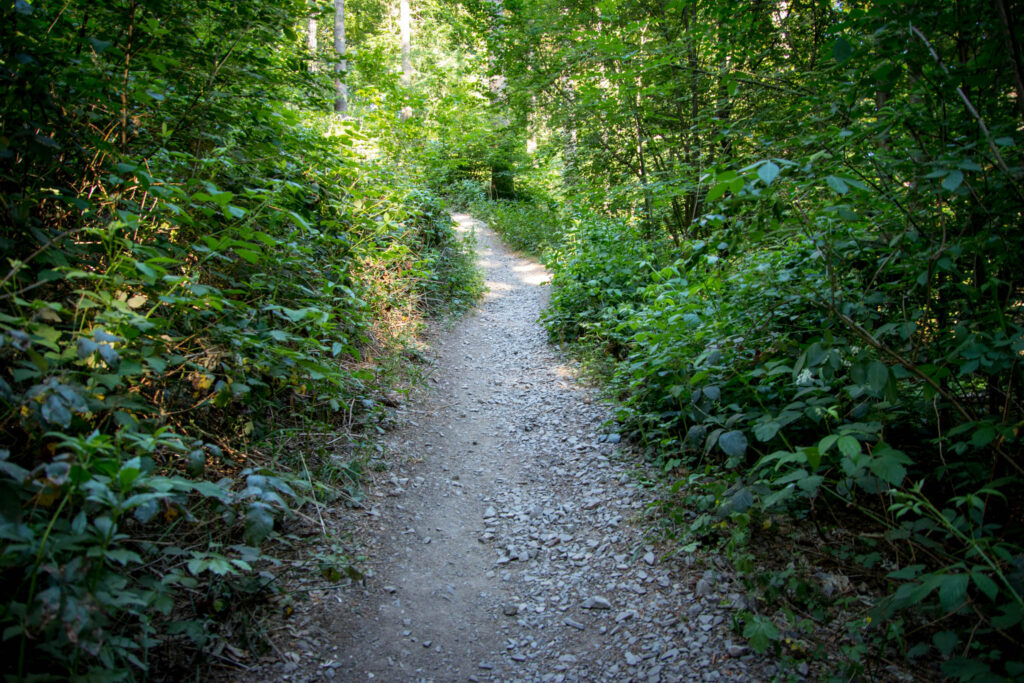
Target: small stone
point(614, 438)
point(632, 659)
point(390, 589)
point(596, 602)
point(623, 616)
point(510, 610)
point(485, 666)
point(568, 659)
point(427, 643)
point(569, 621)
point(703, 588)
point(649, 558)
point(669, 654)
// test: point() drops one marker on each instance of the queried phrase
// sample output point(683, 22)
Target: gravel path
point(503, 541)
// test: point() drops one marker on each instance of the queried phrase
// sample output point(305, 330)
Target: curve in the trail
point(503, 542)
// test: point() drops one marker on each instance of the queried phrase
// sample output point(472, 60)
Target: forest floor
point(506, 539)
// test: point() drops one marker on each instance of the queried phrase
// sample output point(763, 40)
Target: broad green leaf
point(837, 184)
point(952, 590)
point(768, 172)
point(760, 632)
point(964, 669)
point(849, 446)
point(945, 641)
point(953, 180)
point(827, 442)
point(766, 431)
point(909, 572)
point(842, 51)
point(734, 443)
point(717, 191)
point(887, 467)
point(878, 376)
point(259, 522)
point(248, 255)
point(985, 584)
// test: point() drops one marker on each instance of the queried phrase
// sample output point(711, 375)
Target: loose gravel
point(506, 541)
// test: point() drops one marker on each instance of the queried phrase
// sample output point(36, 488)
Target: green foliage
point(530, 227)
point(192, 263)
point(800, 246)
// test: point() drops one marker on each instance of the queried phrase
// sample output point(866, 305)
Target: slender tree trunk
point(404, 26)
point(341, 66)
point(312, 44)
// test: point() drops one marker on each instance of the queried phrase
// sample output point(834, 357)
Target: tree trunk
point(404, 27)
point(312, 44)
point(341, 66)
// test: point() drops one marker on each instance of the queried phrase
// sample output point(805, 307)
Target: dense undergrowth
point(802, 287)
point(201, 274)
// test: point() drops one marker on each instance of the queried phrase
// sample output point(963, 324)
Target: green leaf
point(966, 669)
point(878, 376)
point(250, 256)
point(837, 184)
point(849, 446)
point(734, 443)
point(122, 556)
point(842, 51)
point(945, 641)
point(1012, 614)
point(953, 590)
point(887, 466)
point(983, 436)
point(768, 172)
point(985, 584)
point(827, 442)
point(766, 431)
point(909, 572)
point(196, 462)
point(211, 490)
point(717, 191)
point(760, 632)
point(953, 180)
point(259, 522)
point(150, 274)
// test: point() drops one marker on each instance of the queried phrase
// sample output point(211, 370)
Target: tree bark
point(341, 65)
point(312, 44)
point(404, 26)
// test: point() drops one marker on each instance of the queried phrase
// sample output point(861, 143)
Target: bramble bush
point(194, 264)
point(817, 316)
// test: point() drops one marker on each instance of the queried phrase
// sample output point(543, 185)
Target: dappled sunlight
point(532, 273)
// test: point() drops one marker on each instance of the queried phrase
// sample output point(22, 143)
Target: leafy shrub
point(190, 268)
point(837, 337)
point(527, 227)
point(466, 193)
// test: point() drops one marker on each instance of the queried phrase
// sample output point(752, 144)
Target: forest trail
point(503, 540)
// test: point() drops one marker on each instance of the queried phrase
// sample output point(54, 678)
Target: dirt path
point(504, 543)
